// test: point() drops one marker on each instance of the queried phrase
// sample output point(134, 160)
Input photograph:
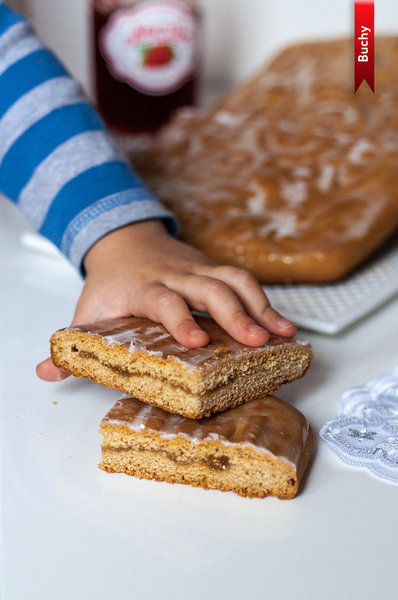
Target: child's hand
point(140, 270)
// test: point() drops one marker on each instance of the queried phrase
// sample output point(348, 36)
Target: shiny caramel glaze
point(137, 333)
point(292, 176)
point(268, 424)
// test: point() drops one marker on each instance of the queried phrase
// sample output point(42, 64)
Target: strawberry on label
point(158, 56)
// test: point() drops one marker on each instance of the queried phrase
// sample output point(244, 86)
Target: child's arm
point(58, 162)
point(60, 165)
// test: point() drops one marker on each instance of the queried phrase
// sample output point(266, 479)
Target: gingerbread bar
point(258, 449)
point(141, 358)
point(292, 176)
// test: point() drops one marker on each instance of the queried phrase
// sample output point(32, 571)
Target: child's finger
point(254, 300)
point(47, 371)
point(169, 308)
point(224, 306)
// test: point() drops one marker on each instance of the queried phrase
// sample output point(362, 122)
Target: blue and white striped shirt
point(57, 160)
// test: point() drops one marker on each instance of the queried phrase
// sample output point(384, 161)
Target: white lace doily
point(366, 432)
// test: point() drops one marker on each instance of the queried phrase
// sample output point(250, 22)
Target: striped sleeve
point(58, 162)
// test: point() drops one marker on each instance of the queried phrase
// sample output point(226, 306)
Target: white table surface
point(69, 530)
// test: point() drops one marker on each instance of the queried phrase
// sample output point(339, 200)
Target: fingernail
point(61, 374)
point(283, 323)
point(196, 332)
point(256, 329)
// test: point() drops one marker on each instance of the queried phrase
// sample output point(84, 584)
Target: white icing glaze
point(294, 192)
point(325, 178)
point(228, 119)
point(304, 79)
point(281, 224)
point(257, 203)
point(117, 338)
point(360, 227)
point(348, 113)
point(302, 171)
point(140, 422)
point(357, 153)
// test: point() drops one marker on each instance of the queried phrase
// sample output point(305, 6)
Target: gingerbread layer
point(141, 358)
point(292, 176)
point(258, 449)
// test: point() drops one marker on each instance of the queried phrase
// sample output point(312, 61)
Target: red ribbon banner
point(364, 43)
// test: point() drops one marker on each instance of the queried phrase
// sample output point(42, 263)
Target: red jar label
point(151, 46)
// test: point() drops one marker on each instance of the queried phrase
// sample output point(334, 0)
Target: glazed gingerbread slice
point(301, 178)
point(141, 358)
point(257, 449)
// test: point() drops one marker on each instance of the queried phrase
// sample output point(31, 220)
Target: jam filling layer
point(213, 462)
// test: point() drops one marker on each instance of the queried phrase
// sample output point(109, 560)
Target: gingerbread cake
point(291, 176)
point(141, 358)
point(258, 449)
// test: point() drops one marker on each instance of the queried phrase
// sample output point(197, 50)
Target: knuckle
point(165, 299)
point(227, 271)
point(215, 287)
point(238, 274)
point(245, 278)
point(185, 322)
point(268, 310)
point(240, 317)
